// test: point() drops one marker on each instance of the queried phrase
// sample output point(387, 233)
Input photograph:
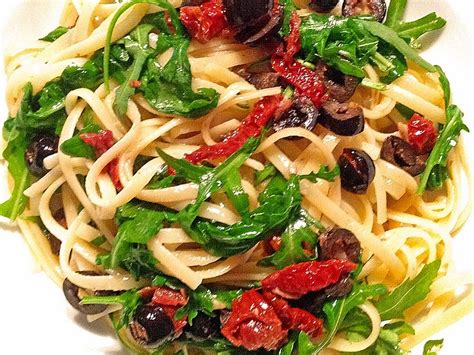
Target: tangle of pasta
point(399, 230)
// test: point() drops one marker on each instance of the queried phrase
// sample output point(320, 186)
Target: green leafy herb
point(236, 194)
point(357, 326)
point(288, 9)
point(138, 223)
point(295, 240)
point(432, 347)
point(228, 296)
point(137, 45)
point(395, 12)
point(129, 300)
point(436, 171)
point(337, 310)
point(413, 30)
point(391, 37)
point(268, 172)
point(211, 180)
point(75, 146)
point(406, 112)
point(200, 300)
point(342, 42)
point(323, 174)
point(167, 88)
point(408, 293)
point(14, 154)
point(55, 34)
point(98, 241)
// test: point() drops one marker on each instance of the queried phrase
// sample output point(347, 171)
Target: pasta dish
point(240, 176)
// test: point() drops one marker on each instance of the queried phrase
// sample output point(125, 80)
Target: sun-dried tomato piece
point(168, 297)
point(251, 126)
point(293, 40)
point(294, 318)
point(102, 142)
point(253, 323)
point(297, 280)
point(204, 22)
point(306, 81)
point(422, 134)
point(178, 324)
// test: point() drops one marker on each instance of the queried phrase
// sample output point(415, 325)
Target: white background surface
point(34, 316)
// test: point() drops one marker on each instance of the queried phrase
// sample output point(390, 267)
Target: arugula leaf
point(397, 64)
point(55, 34)
point(129, 300)
point(408, 293)
point(14, 154)
point(288, 8)
point(137, 45)
point(337, 310)
point(98, 241)
point(228, 296)
point(341, 42)
point(323, 174)
point(211, 180)
point(278, 203)
point(391, 37)
point(406, 112)
point(395, 12)
point(75, 146)
point(90, 75)
point(199, 300)
point(138, 224)
point(236, 194)
point(202, 300)
point(436, 171)
point(268, 172)
point(432, 347)
point(357, 326)
point(168, 88)
point(294, 239)
point(411, 31)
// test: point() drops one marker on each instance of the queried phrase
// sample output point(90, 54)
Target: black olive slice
point(253, 20)
point(357, 170)
point(203, 327)
point(323, 5)
point(151, 325)
point(42, 146)
point(302, 113)
point(376, 8)
point(339, 243)
point(71, 292)
point(400, 153)
point(339, 86)
point(344, 119)
point(242, 12)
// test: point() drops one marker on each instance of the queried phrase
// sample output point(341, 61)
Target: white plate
point(35, 318)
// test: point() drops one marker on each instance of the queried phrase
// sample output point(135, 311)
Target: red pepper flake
point(102, 142)
point(294, 318)
point(297, 280)
point(168, 297)
point(305, 80)
point(422, 134)
point(135, 84)
point(206, 21)
point(251, 126)
point(254, 324)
